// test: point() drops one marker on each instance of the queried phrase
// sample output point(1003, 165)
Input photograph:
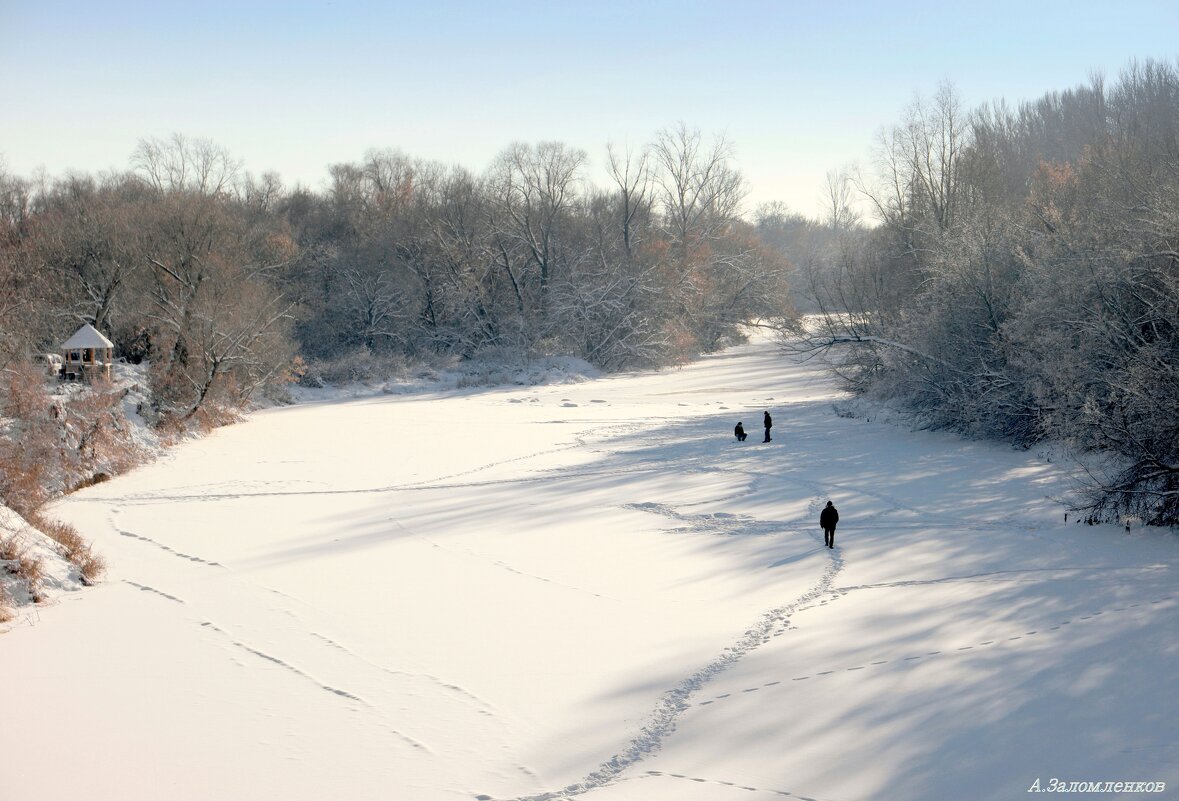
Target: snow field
point(593, 590)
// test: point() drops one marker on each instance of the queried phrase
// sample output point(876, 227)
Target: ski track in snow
point(251, 649)
point(145, 588)
point(271, 658)
point(540, 477)
point(336, 691)
point(485, 708)
point(178, 554)
point(444, 482)
point(469, 553)
point(263, 654)
point(438, 482)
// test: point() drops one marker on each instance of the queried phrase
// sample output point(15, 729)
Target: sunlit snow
point(593, 590)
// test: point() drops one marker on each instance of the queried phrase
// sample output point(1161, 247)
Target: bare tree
point(534, 189)
point(631, 173)
point(179, 163)
point(839, 211)
point(215, 299)
point(935, 136)
point(92, 240)
point(701, 192)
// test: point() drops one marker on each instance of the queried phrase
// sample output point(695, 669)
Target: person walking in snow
point(739, 432)
point(768, 423)
point(828, 518)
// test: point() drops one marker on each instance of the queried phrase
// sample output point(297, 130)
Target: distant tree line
point(1022, 282)
point(225, 282)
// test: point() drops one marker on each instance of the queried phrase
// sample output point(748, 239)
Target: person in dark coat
point(768, 423)
point(739, 431)
point(828, 518)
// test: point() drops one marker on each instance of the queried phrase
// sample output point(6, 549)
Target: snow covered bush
point(71, 546)
point(6, 604)
point(50, 444)
point(1022, 284)
point(23, 564)
point(33, 567)
point(31, 446)
point(356, 366)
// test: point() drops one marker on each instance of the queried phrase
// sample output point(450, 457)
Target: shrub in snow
point(72, 547)
point(21, 563)
point(356, 366)
point(1027, 299)
point(6, 604)
point(33, 566)
point(52, 444)
point(30, 440)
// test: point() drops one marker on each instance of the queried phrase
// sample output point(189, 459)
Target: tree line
point(225, 282)
point(1022, 282)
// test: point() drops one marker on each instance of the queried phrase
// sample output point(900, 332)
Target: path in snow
point(593, 590)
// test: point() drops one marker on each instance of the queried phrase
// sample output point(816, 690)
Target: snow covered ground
point(594, 590)
point(57, 574)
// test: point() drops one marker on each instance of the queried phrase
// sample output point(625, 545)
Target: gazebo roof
point(87, 337)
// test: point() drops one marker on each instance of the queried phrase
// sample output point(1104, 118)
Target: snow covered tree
point(1027, 286)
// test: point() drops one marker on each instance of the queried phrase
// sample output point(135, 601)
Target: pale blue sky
point(798, 87)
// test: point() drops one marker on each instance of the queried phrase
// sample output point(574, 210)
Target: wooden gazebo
point(87, 354)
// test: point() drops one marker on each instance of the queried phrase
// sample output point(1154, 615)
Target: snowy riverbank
point(592, 589)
